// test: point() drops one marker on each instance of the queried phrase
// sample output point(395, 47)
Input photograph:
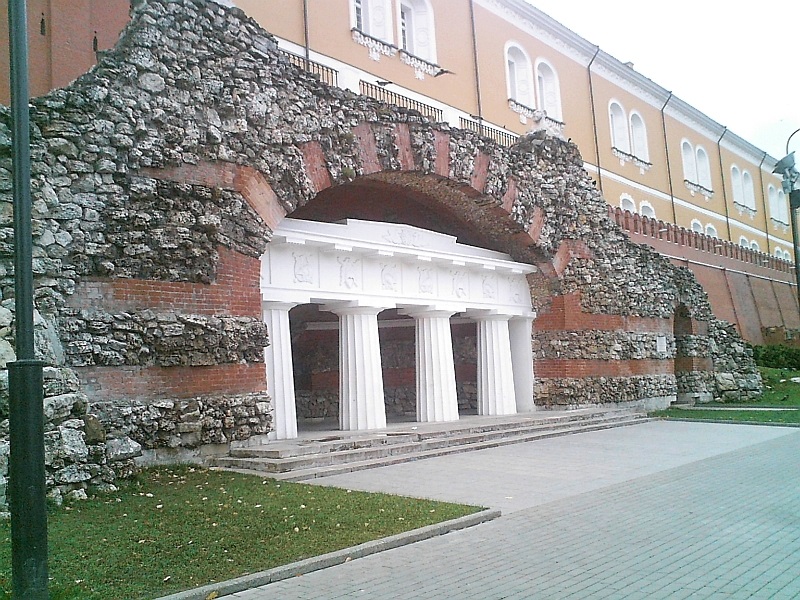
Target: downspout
point(594, 120)
point(669, 165)
point(724, 193)
point(306, 41)
point(764, 201)
point(475, 59)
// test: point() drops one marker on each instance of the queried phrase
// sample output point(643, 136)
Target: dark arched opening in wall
point(316, 326)
point(691, 358)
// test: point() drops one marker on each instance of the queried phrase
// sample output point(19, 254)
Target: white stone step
point(341, 456)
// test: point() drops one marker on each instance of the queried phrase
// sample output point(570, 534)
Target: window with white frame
point(696, 169)
point(754, 246)
point(373, 17)
point(743, 241)
point(619, 128)
point(639, 138)
point(646, 209)
point(627, 203)
point(519, 75)
point(416, 29)
point(744, 197)
point(778, 210)
point(711, 230)
point(697, 226)
point(548, 90)
point(783, 254)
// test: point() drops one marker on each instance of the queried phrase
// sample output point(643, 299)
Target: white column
point(495, 375)
point(280, 371)
point(361, 404)
point(436, 373)
point(519, 329)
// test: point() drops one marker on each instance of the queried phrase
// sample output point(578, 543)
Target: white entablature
point(391, 266)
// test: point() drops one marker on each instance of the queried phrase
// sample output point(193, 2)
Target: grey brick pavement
point(715, 513)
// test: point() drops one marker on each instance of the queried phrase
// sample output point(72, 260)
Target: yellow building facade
point(503, 67)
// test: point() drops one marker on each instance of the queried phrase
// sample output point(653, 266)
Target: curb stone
point(246, 582)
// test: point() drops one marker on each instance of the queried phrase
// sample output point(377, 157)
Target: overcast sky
point(736, 62)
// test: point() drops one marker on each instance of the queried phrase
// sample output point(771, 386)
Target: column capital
point(277, 305)
point(352, 308)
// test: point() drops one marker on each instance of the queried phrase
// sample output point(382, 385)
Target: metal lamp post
point(26, 490)
point(791, 187)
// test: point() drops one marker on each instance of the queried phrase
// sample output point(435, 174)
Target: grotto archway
point(413, 277)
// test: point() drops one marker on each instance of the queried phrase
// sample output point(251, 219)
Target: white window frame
point(626, 203)
point(646, 209)
point(697, 226)
point(711, 230)
point(638, 131)
point(375, 19)
point(420, 38)
point(618, 124)
point(519, 75)
point(548, 89)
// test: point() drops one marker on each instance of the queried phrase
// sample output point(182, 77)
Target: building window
point(647, 210)
point(627, 203)
point(639, 138)
point(711, 230)
point(783, 254)
point(743, 241)
point(697, 226)
point(619, 128)
point(696, 169)
point(416, 32)
point(778, 210)
point(548, 91)
point(373, 17)
point(519, 75)
point(744, 198)
point(754, 246)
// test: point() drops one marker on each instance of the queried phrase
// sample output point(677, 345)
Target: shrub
point(777, 357)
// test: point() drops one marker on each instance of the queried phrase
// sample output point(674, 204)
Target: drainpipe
point(305, 33)
point(475, 59)
point(669, 165)
point(594, 120)
point(764, 201)
point(724, 193)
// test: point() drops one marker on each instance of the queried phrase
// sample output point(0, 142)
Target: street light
point(791, 187)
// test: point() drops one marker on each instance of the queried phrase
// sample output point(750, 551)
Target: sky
point(735, 62)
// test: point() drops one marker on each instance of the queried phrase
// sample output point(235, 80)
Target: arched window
point(737, 185)
point(777, 205)
point(416, 29)
point(627, 203)
point(703, 169)
point(754, 246)
point(639, 138)
point(647, 210)
point(373, 17)
point(743, 241)
point(711, 230)
point(619, 128)
point(689, 164)
point(697, 226)
point(749, 191)
point(547, 90)
point(519, 75)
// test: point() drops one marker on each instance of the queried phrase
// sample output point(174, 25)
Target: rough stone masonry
point(158, 178)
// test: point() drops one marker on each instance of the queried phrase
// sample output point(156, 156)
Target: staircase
point(334, 452)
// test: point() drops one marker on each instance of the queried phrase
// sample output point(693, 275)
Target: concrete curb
point(324, 561)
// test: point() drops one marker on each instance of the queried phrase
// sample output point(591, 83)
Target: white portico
point(357, 269)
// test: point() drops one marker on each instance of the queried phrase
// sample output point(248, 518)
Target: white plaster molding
point(375, 46)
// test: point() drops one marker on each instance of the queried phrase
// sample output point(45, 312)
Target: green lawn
point(779, 392)
point(178, 528)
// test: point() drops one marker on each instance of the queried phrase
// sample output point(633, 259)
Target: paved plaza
point(657, 510)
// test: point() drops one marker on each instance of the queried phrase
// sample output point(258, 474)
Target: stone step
point(426, 444)
point(350, 441)
point(338, 469)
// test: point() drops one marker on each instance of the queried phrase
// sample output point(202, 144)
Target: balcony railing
point(325, 74)
point(501, 136)
point(380, 93)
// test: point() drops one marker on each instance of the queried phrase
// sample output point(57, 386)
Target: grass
point(177, 528)
point(779, 393)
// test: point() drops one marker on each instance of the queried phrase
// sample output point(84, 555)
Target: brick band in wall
point(544, 369)
point(146, 383)
point(565, 313)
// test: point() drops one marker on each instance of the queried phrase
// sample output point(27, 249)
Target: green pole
point(26, 490)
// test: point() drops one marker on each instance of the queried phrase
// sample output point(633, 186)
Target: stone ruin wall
point(148, 309)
